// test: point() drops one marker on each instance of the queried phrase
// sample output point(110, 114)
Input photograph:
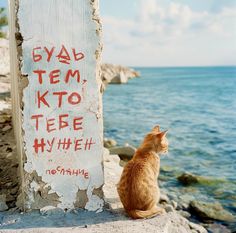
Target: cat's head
point(156, 140)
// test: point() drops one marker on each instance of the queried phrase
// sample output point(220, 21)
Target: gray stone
point(109, 142)
point(116, 73)
point(174, 204)
point(187, 179)
point(218, 228)
point(123, 151)
point(119, 78)
point(164, 198)
point(193, 231)
point(185, 214)
point(198, 228)
point(209, 210)
point(183, 205)
point(172, 195)
point(122, 163)
point(169, 208)
point(184, 200)
point(3, 205)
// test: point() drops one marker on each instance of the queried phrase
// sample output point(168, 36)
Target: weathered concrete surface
point(105, 222)
point(60, 162)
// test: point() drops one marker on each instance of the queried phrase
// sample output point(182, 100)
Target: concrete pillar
point(55, 55)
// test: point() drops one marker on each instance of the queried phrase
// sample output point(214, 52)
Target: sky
point(168, 32)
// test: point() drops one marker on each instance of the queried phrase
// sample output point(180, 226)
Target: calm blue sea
point(198, 107)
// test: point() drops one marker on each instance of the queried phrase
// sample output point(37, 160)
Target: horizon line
point(182, 66)
point(166, 66)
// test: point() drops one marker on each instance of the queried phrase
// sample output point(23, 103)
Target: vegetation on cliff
point(3, 22)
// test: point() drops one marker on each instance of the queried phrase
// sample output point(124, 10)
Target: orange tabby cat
point(138, 188)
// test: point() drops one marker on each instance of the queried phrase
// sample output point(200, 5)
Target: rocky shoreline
point(210, 215)
point(113, 171)
point(116, 74)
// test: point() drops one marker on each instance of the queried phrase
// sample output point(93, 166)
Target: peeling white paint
point(53, 24)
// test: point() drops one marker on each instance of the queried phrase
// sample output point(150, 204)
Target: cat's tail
point(136, 214)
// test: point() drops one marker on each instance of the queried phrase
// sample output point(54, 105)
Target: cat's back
point(137, 181)
point(137, 170)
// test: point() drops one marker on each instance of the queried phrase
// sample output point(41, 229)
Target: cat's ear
point(156, 128)
point(162, 134)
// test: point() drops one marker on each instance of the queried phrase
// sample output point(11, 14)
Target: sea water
point(198, 107)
